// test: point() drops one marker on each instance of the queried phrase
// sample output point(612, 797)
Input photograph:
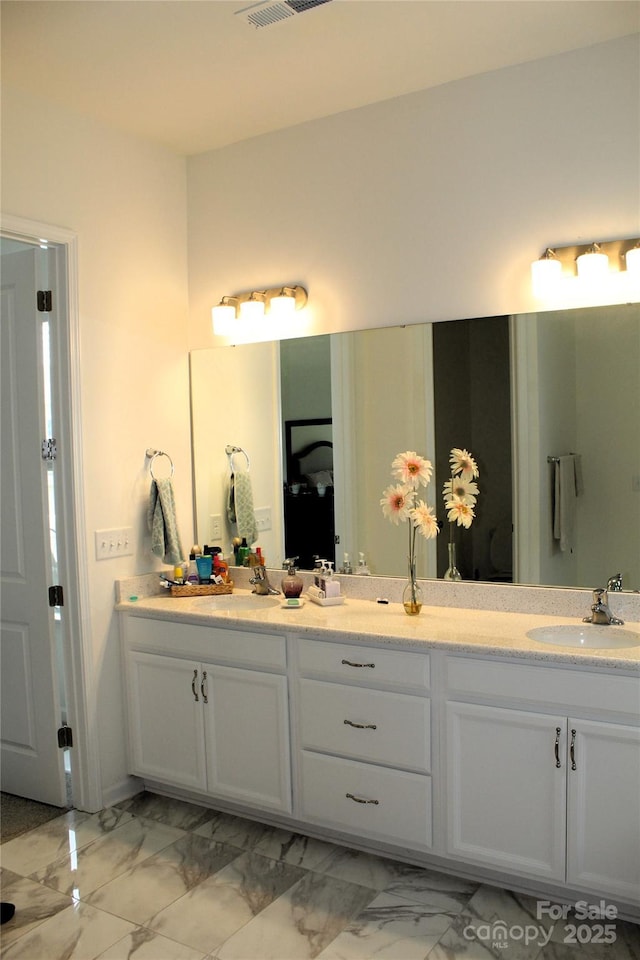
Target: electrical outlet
point(215, 526)
point(114, 543)
point(263, 519)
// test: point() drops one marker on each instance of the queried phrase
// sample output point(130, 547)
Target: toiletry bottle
point(362, 569)
point(291, 584)
point(236, 546)
point(220, 567)
point(204, 564)
point(192, 571)
point(331, 583)
point(261, 559)
point(243, 553)
point(178, 572)
point(346, 567)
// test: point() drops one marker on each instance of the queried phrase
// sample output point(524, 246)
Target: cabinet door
point(506, 796)
point(247, 736)
point(603, 847)
point(166, 728)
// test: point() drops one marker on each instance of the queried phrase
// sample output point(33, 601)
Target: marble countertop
point(451, 629)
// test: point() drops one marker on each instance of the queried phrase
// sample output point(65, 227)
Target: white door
point(32, 765)
point(603, 837)
point(506, 789)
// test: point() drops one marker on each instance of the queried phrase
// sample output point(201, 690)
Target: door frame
point(77, 646)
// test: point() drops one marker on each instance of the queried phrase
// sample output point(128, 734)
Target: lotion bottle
point(291, 583)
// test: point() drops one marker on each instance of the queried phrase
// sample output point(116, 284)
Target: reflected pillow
point(324, 477)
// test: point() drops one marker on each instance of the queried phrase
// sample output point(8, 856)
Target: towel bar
point(152, 454)
point(230, 449)
point(557, 459)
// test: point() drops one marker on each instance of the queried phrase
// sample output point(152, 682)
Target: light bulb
point(223, 316)
point(283, 305)
point(632, 259)
point(252, 309)
point(545, 274)
point(593, 265)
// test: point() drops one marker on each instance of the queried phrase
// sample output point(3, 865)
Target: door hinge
point(56, 596)
point(65, 736)
point(49, 448)
point(44, 301)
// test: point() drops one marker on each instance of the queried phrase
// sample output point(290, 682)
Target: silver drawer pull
point(557, 747)
point(361, 726)
point(202, 687)
point(193, 686)
point(350, 663)
point(572, 751)
point(350, 796)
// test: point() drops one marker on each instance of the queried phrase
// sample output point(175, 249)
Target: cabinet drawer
point(374, 725)
point(398, 808)
point(552, 686)
point(233, 647)
point(369, 666)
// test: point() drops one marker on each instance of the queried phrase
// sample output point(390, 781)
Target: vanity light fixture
point(589, 264)
point(234, 315)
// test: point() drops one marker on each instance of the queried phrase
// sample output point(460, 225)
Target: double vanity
point(453, 739)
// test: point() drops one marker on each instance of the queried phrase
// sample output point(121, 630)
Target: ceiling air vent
point(272, 11)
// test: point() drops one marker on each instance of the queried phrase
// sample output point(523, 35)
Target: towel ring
point(230, 449)
point(152, 454)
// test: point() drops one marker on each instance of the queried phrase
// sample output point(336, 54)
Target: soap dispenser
point(292, 584)
point(362, 570)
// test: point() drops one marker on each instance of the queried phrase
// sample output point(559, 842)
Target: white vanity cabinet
point(363, 723)
point(208, 710)
point(534, 788)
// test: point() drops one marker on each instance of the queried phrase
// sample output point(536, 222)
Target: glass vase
point(452, 572)
point(412, 593)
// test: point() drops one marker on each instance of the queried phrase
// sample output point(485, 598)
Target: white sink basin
point(586, 635)
point(237, 601)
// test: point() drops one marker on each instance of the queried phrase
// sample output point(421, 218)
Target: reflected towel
point(161, 517)
point(240, 506)
point(567, 487)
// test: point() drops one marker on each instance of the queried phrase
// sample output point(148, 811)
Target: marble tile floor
point(161, 879)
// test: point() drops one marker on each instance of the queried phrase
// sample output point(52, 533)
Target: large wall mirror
point(323, 417)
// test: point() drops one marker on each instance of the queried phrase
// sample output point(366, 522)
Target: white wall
point(430, 206)
point(126, 200)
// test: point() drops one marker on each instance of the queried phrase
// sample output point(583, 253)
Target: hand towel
point(567, 486)
point(240, 505)
point(161, 517)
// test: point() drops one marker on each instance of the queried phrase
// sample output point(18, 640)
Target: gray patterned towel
point(161, 517)
point(240, 505)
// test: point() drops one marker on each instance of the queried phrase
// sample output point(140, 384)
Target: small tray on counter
point(325, 601)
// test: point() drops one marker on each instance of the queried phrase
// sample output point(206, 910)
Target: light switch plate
point(215, 527)
point(114, 543)
point(263, 518)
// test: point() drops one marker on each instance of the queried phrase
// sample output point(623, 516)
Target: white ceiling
point(193, 76)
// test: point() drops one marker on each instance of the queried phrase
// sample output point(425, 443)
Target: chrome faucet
point(614, 583)
point(600, 612)
point(260, 582)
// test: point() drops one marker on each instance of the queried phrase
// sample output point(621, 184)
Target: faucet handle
point(600, 596)
point(614, 583)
